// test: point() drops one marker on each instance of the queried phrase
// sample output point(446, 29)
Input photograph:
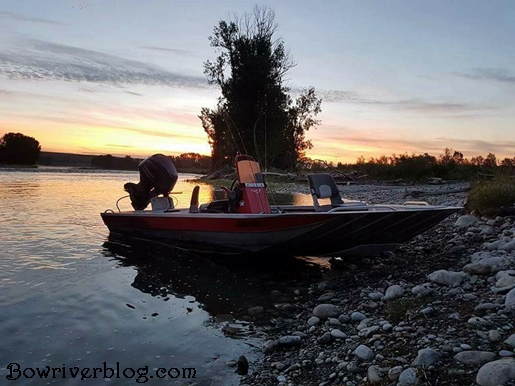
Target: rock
point(505, 353)
point(325, 338)
point(487, 265)
point(357, 316)
point(509, 302)
point(334, 322)
point(269, 346)
point(466, 221)
point(243, 365)
point(495, 245)
point(282, 379)
point(324, 311)
point(474, 358)
point(325, 297)
point(508, 246)
point(337, 334)
point(289, 341)
point(393, 292)
point(394, 372)
point(313, 321)
point(408, 377)
point(368, 331)
point(344, 319)
point(510, 341)
point(496, 373)
point(364, 353)
point(426, 357)
point(505, 279)
point(253, 311)
point(375, 374)
point(494, 336)
point(478, 322)
point(447, 277)
point(427, 311)
point(421, 290)
point(387, 327)
point(375, 296)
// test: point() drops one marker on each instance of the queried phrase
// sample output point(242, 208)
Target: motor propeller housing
point(158, 176)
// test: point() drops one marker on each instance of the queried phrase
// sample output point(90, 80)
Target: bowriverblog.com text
point(140, 374)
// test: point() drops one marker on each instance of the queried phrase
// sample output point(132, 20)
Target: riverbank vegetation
point(19, 149)
point(492, 198)
point(256, 113)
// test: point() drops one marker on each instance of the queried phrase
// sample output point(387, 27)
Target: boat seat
point(217, 206)
point(322, 186)
point(194, 200)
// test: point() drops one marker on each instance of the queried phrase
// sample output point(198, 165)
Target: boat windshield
point(249, 172)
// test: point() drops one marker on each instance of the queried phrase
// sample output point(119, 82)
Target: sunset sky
point(126, 77)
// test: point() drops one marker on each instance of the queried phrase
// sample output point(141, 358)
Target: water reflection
point(221, 286)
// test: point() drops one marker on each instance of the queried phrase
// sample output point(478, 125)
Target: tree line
point(451, 165)
point(186, 162)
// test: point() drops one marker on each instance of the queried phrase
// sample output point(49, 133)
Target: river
point(73, 299)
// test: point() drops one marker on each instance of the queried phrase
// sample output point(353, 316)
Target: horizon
point(93, 78)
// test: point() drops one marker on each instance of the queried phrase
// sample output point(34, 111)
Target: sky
point(126, 77)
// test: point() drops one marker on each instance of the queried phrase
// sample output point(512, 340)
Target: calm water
point(70, 296)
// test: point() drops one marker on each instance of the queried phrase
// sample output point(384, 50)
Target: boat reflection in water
point(221, 286)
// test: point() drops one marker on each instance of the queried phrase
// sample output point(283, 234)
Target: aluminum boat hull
point(296, 231)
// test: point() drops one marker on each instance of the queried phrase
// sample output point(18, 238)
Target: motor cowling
point(158, 176)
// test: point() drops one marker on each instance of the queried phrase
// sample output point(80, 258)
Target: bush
point(491, 198)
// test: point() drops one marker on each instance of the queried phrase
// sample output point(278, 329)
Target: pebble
point(313, 321)
point(375, 296)
point(509, 303)
point(357, 316)
point(510, 341)
point(364, 353)
point(393, 292)
point(474, 358)
point(408, 377)
point(426, 357)
point(337, 334)
point(324, 311)
point(447, 277)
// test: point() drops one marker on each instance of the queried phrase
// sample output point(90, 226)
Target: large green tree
point(19, 149)
point(255, 113)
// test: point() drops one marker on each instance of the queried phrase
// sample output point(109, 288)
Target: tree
point(255, 113)
point(19, 149)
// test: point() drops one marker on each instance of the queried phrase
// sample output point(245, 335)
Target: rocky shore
point(440, 310)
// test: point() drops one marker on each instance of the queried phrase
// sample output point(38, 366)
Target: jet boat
point(245, 222)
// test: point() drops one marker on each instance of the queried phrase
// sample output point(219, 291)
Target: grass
point(396, 309)
point(490, 198)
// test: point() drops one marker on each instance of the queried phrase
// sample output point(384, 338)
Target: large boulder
point(324, 311)
point(447, 277)
point(496, 373)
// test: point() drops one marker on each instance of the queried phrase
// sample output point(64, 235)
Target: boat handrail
point(417, 203)
point(361, 207)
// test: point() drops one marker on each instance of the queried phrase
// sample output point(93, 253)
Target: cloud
point(52, 61)
point(430, 106)
point(133, 93)
point(18, 17)
point(414, 104)
point(352, 141)
point(114, 145)
point(491, 74)
point(334, 96)
point(165, 49)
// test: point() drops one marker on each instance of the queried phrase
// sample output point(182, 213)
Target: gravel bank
point(438, 311)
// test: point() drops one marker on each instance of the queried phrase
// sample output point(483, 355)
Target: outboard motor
point(157, 176)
